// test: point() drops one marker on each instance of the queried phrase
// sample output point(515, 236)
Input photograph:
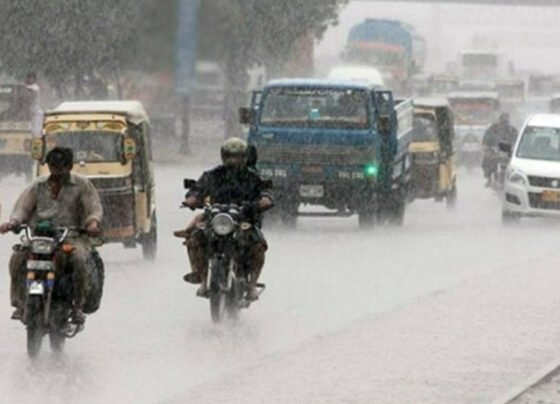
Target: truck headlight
point(223, 224)
point(42, 247)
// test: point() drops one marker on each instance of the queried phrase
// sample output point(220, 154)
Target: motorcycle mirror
point(188, 183)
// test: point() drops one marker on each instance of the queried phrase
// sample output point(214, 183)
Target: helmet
point(61, 157)
point(234, 147)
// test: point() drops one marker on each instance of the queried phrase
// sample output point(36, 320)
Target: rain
point(413, 153)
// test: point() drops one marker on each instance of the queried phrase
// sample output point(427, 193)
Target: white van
point(532, 183)
point(357, 73)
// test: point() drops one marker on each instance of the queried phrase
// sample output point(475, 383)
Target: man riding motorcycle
point(65, 199)
point(499, 132)
point(231, 183)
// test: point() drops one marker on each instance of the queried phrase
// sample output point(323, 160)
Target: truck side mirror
point(188, 183)
point(129, 149)
point(384, 125)
point(505, 148)
point(38, 149)
point(246, 116)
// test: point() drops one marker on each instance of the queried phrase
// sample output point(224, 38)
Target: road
point(433, 305)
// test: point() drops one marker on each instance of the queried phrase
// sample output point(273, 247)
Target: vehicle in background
point(443, 84)
point(112, 147)
point(16, 103)
point(512, 95)
point(357, 73)
point(554, 104)
point(393, 47)
point(157, 94)
point(431, 151)
point(485, 65)
point(476, 86)
point(207, 101)
point(340, 145)
point(473, 113)
point(532, 183)
point(541, 85)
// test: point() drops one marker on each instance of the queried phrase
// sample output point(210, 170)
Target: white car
point(532, 183)
point(357, 73)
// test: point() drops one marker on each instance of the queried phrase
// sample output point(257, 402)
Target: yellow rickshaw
point(431, 150)
point(15, 129)
point(112, 147)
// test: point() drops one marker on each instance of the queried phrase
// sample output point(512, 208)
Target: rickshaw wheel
point(451, 197)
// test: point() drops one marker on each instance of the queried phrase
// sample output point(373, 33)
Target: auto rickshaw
point(433, 165)
point(15, 130)
point(112, 147)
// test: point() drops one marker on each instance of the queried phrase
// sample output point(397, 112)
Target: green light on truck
point(370, 170)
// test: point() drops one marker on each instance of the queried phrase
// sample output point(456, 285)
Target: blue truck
point(340, 145)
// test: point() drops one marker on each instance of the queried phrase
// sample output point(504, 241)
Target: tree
point(242, 33)
point(66, 40)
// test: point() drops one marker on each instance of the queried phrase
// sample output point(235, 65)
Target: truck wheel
point(149, 242)
point(451, 198)
point(288, 215)
point(396, 209)
point(366, 219)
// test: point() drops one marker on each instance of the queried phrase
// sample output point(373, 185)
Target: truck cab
point(340, 145)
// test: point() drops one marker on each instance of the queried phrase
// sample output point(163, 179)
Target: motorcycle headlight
point(517, 178)
point(43, 247)
point(223, 224)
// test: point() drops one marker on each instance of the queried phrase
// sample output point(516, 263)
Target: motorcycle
point(48, 303)
point(228, 276)
point(500, 160)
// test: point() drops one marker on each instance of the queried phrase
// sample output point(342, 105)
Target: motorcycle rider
point(232, 182)
point(499, 132)
point(68, 200)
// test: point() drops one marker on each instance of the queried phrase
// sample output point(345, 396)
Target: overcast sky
point(530, 36)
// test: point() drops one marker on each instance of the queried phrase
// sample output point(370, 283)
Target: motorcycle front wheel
point(34, 324)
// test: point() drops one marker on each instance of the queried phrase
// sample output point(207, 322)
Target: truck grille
point(303, 154)
point(544, 182)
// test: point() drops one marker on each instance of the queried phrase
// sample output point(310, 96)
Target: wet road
point(153, 341)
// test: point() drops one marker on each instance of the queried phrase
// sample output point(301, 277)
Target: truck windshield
point(317, 108)
point(540, 144)
point(480, 60)
point(89, 146)
point(378, 57)
point(473, 112)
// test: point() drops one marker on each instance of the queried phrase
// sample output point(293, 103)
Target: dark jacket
point(225, 185)
point(497, 133)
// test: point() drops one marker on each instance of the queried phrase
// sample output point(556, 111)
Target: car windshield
point(316, 108)
point(473, 112)
point(89, 146)
point(539, 143)
point(424, 129)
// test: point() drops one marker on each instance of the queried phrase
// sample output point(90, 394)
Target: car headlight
point(517, 178)
point(223, 224)
point(42, 247)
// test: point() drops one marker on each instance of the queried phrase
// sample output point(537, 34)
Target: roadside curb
point(534, 380)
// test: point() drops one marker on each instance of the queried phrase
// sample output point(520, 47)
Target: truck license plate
point(550, 196)
point(311, 191)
